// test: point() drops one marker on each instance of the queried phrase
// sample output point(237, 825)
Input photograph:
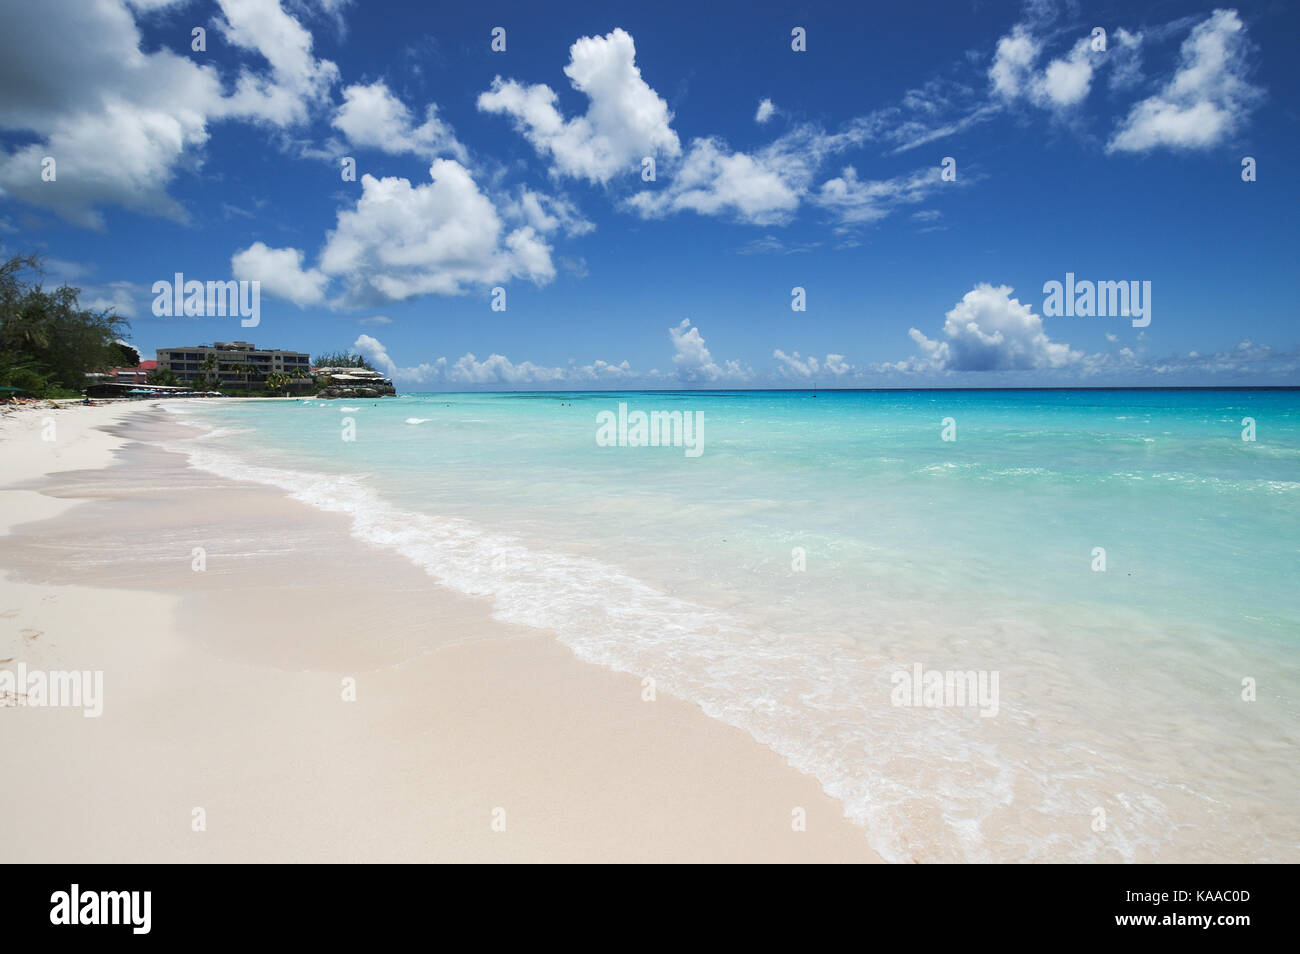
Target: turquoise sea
point(824, 542)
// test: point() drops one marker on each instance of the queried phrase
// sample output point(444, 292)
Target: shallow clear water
point(1120, 691)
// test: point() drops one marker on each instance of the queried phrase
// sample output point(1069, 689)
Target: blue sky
point(522, 170)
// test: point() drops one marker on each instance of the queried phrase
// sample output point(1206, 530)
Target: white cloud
point(547, 213)
point(836, 364)
point(1065, 81)
point(759, 190)
point(604, 371)
point(498, 369)
point(794, 366)
point(855, 201)
point(495, 370)
point(400, 241)
point(988, 330)
point(625, 119)
point(281, 273)
point(766, 187)
point(75, 78)
point(1013, 62)
point(694, 362)
point(118, 297)
point(403, 240)
point(766, 110)
point(297, 79)
point(1206, 99)
point(374, 350)
point(371, 116)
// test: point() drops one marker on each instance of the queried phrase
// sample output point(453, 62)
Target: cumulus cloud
point(402, 240)
point(498, 369)
point(494, 370)
point(988, 330)
point(296, 79)
point(794, 366)
point(1204, 102)
point(281, 273)
point(1013, 62)
point(1206, 99)
point(1065, 81)
point(75, 78)
point(711, 180)
point(371, 116)
point(625, 119)
point(693, 361)
point(374, 351)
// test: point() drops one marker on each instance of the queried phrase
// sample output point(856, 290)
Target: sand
point(226, 735)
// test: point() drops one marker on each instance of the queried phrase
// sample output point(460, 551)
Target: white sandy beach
point(223, 692)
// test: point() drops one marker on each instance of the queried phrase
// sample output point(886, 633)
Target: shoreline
point(223, 692)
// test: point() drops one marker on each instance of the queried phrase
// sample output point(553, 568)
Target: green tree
point(47, 341)
point(342, 359)
point(127, 357)
point(163, 376)
point(208, 368)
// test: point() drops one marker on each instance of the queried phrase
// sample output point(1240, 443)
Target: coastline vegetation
point(47, 340)
point(48, 343)
point(342, 359)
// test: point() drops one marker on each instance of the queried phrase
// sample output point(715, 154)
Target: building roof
point(222, 347)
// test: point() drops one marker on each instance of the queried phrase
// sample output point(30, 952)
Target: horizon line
point(1179, 387)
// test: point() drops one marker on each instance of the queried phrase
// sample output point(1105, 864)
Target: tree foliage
point(164, 376)
point(47, 341)
point(342, 359)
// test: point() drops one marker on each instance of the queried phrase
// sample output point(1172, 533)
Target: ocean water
point(823, 544)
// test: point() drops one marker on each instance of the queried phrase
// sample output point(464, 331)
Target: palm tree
point(208, 367)
point(163, 376)
point(297, 374)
